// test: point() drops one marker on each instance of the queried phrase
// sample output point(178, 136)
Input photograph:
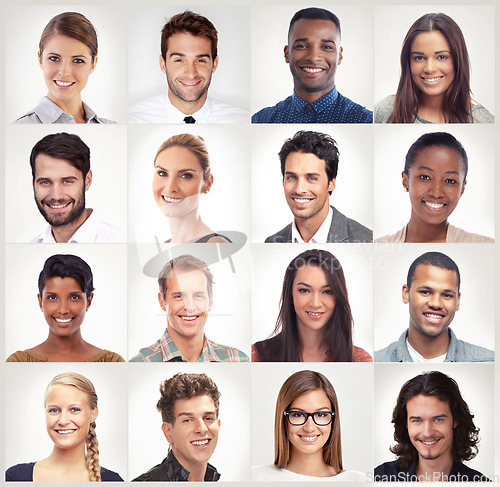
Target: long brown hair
point(457, 102)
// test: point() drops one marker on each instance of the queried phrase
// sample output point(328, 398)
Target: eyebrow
point(432, 170)
point(188, 413)
point(59, 55)
point(433, 417)
point(291, 173)
point(180, 170)
point(308, 285)
point(42, 178)
point(305, 39)
point(198, 56)
point(428, 288)
point(319, 409)
point(435, 52)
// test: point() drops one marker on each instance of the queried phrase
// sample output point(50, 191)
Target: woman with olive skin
point(70, 413)
point(434, 176)
point(307, 443)
point(67, 56)
point(65, 285)
point(182, 175)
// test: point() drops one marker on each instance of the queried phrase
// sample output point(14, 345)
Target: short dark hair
point(63, 146)
point(436, 139)
point(185, 386)
point(323, 146)
point(67, 265)
point(436, 259)
point(315, 13)
point(193, 24)
point(434, 384)
point(184, 263)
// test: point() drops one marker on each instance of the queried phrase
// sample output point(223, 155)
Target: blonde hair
point(92, 445)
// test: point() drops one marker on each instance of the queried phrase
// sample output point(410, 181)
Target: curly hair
point(434, 384)
point(185, 386)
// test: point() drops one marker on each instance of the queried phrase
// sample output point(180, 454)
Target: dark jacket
point(171, 470)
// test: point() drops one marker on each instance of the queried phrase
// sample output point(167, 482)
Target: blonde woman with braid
point(70, 413)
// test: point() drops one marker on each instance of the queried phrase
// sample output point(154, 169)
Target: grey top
point(383, 110)
point(458, 351)
point(48, 112)
point(342, 229)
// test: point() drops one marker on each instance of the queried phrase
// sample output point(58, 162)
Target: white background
point(271, 77)
point(477, 25)
point(231, 80)
point(478, 394)
point(353, 193)
point(147, 443)
point(270, 264)
point(105, 93)
point(392, 202)
point(107, 193)
point(227, 204)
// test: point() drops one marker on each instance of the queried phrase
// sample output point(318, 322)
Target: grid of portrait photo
point(249, 243)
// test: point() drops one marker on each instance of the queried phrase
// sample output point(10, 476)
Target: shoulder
point(383, 109)
point(157, 473)
point(386, 472)
point(350, 476)
point(361, 355)
point(467, 352)
point(151, 110)
point(100, 230)
point(398, 237)
point(457, 235)
point(110, 476)
point(227, 354)
point(106, 356)
point(227, 113)
point(26, 356)
point(269, 114)
point(22, 472)
point(283, 236)
point(481, 115)
point(30, 117)
point(263, 473)
point(467, 474)
point(348, 230)
point(267, 350)
point(354, 112)
point(388, 354)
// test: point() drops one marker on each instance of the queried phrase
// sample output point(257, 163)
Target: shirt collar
point(321, 235)
point(48, 112)
point(326, 101)
point(174, 114)
point(171, 353)
point(87, 232)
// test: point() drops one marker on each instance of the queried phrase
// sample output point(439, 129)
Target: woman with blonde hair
point(70, 412)
point(307, 443)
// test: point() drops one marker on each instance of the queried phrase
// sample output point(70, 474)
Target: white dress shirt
point(321, 236)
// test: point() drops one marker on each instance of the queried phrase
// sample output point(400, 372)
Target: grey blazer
point(342, 229)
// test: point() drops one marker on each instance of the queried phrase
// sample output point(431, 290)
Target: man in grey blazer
point(309, 164)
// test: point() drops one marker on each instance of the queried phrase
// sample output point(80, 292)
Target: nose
point(190, 70)
point(57, 192)
point(188, 303)
point(64, 68)
point(309, 424)
point(429, 65)
point(436, 189)
point(63, 418)
point(314, 54)
point(301, 186)
point(427, 429)
point(435, 301)
point(171, 185)
point(201, 427)
point(315, 301)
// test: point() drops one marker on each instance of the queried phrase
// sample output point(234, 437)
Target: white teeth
point(308, 438)
point(64, 83)
point(200, 442)
point(65, 432)
point(189, 318)
point(58, 207)
point(432, 80)
point(60, 320)
point(434, 205)
point(302, 201)
point(432, 316)
point(172, 200)
point(312, 70)
point(314, 315)
point(429, 443)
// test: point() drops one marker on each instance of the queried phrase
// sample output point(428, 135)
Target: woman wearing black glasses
point(307, 433)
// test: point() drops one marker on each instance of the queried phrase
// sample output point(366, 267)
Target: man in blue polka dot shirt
point(313, 53)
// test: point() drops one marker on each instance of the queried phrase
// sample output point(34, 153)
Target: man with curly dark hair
point(189, 407)
point(434, 432)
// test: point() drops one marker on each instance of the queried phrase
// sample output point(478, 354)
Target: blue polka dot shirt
point(330, 108)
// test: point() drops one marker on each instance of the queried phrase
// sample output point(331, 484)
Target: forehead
point(189, 45)
point(59, 284)
point(177, 157)
point(187, 281)
point(54, 168)
point(440, 159)
point(61, 44)
point(434, 278)
point(432, 41)
point(312, 401)
point(63, 393)
point(313, 29)
point(311, 274)
point(302, 163)
point(195, 405)
point(427, 406)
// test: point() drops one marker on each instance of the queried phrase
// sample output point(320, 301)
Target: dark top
point(391, 472)
point(206, 238)
point(23, 472)
point(171, 470)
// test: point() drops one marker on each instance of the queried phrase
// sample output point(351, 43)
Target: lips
point(189, 317)
point(169, 199)
point(190, 84)
point(201, 443)
point(57, 206)
point(309, 438)
point(433, 205)
point(315, 315)
point(301, 201)
point(65, 432)
point(433, 318)
point(433, 80)
point(64, 84)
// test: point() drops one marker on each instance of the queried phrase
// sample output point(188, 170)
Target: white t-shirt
point(265, 473)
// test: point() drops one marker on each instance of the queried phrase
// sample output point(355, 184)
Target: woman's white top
point(268, 473)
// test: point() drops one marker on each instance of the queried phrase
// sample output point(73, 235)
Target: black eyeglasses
point(298, 418)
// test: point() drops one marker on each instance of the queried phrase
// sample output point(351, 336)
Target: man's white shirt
point(321, 236)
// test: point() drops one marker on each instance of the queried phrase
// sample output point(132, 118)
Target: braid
point(93, 455)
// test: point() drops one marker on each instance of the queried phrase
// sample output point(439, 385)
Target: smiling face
point(313, 53)
point(431, 63)
point(433, 299)
point(186, 303)
point(68, 416)
point(313, 299)
point(178, 182)
point(64, 305)
point(306, 186)
point(66, 64)
point(430, 427)
point(60, 191)
point(309, 438)
point(189, 66)
point(194, 434)
point(435, 182)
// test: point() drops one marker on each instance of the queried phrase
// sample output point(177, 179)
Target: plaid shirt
point(165, 350)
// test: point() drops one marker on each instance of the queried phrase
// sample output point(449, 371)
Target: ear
point(341, 55)
point(161, 301)
point(167, 431)
point(458, 302)
point(210, 303)
point(208, 184)
point(89, 300)
point(88, 180)
point(40, 301)
point(287, 54)
point(463, 188)
point(40, 58)
point(406, 294)
point(163, 66)
point(94, 414)
point(93, 64)
point(216, 63)
point(405, 181)
point(331, 184)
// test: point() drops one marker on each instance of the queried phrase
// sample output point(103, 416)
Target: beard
point(178, 92)
point(62, 219)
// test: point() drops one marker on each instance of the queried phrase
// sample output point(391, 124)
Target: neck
point(190, 347)
point(63, 233)
point(188, 227)
point(70, 459)
point(313, 346)
point(187, 107)
point(431, 109)
point(74, 107)
point(311, 97)
point(428, 347)
point(308, 227)
point(434, 470)
point(311, 464)
point(196, 469)
point(419, 231)
point(64, 345)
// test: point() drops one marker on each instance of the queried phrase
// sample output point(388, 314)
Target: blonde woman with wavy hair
point(70, 403)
